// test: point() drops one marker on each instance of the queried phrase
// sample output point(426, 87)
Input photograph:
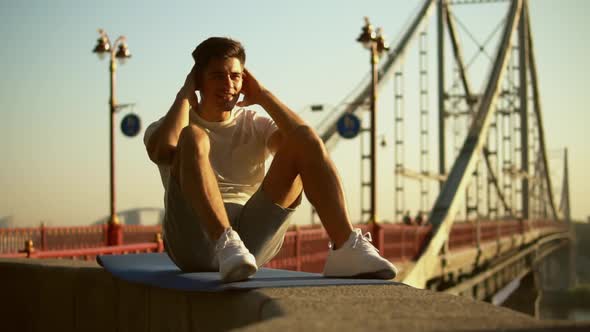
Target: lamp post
point(104, 46)
point(375, 42)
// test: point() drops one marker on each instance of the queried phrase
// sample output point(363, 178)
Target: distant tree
point(7, 221)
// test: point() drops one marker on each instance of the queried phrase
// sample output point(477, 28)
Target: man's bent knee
point(304, 138)
point(194, 139)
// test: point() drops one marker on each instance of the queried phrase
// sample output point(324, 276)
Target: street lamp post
point(375, 42)
point(103, 46)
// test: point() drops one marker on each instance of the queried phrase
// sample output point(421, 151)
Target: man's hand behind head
point(191, 85)
point(252, 90)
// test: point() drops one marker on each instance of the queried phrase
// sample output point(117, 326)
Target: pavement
point(68, 295)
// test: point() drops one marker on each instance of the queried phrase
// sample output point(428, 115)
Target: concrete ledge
point(60, 295)
point(46, 295)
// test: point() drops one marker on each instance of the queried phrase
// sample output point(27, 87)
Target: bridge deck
point(71, 295)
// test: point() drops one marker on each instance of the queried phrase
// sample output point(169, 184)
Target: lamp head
point(367, 34)
point(102, 45)
point(123, 51)
point(381, 43)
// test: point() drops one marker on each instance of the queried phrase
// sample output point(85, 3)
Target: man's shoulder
point(151, 128)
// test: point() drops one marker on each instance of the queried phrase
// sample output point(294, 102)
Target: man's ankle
point(338, 243)
point(218, 232)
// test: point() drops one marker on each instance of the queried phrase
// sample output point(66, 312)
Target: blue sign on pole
point(130, 125)
point(348, 125)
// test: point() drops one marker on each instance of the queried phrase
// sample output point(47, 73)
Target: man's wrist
point(182, 98)
point(182, 93)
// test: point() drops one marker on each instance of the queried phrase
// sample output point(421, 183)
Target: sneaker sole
point(240, 273)
point(381, 274)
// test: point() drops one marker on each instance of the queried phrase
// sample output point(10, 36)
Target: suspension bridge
point(493, 169)
point(473, 166)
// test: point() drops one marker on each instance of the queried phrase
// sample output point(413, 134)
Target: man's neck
point(212, 113)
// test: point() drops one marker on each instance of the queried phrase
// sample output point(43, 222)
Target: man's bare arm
point(161, 146)
point(282, 115)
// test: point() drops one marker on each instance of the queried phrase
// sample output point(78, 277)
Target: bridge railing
point(401, 242)
point(305, 248)
point(464, 234)
point(140, 233)
point(61, 238)
point(70, 237)
point(88, 254)
point(12, 239)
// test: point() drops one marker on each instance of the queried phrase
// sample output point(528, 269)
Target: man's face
point(222, 82)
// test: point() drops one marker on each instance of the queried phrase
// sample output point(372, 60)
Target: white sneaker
point(358, 258)
point(236, 263)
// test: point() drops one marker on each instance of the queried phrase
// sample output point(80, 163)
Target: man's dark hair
point(218, 48)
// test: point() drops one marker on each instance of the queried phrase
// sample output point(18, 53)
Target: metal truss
point(498, 153)
point(365, 137)
point(399, 197)
point(327, 128)
point(509, 101)
point(424, 121)
point(447, 203)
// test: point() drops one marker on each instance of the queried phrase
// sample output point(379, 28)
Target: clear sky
point(54, 90)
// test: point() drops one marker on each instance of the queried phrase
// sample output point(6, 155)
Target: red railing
point(305, 248)
point(61, 238)
point(12, 239)
point(91, 253)
point(72, 237)
point(139, 234)
point(88, 254)
point(401, 242)
point(465, 234)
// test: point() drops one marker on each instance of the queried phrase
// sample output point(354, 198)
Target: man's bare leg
point(303, 162)
point(197, 180)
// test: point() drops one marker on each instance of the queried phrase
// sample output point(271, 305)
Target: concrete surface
point(47, 295)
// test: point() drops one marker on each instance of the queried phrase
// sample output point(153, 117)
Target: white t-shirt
point(238, 151)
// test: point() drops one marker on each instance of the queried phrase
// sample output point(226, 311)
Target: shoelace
point(229, 242)
point(364, 239)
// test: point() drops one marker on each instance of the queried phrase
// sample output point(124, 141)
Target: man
point(222, 212)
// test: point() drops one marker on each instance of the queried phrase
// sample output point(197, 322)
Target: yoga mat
point(156, 269)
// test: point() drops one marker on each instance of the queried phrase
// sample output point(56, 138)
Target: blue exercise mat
point(156, 269)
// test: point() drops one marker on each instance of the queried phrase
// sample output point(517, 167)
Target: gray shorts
point(261, 224)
